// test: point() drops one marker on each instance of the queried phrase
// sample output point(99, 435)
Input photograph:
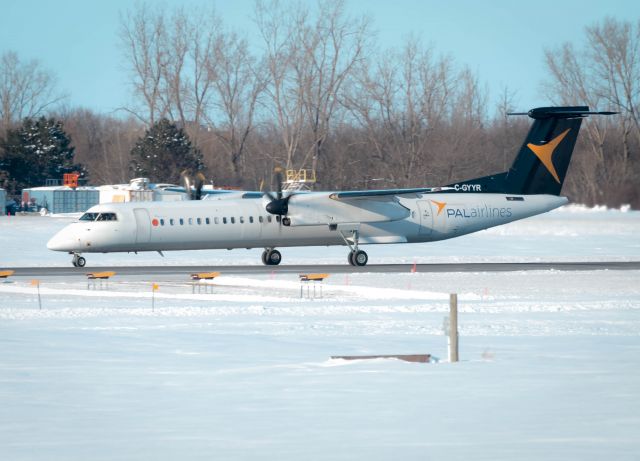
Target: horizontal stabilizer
point(540, 113)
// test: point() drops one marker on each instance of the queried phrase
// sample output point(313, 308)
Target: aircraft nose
point(62, 241)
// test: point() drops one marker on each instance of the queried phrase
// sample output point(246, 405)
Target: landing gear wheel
point(273, 258)
point(78, 261)
point(350, 258)
point(359, 258)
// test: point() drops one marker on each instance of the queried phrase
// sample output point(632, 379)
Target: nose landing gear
point(78, 261)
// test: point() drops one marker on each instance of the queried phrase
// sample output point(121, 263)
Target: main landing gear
point(271, 257)
point(78, 261)
point(356, 257)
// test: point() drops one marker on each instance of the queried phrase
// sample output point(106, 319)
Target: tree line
point(318, 92)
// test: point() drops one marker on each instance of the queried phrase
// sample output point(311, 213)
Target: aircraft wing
point(349, 207)
point(372, 194)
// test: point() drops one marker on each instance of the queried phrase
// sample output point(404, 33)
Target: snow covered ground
point(550, 360)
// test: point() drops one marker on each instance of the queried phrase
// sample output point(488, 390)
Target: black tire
point(350, 258)
point(81, 261)
point(264, 258)
point(274, 257)
point(73, 261)
point(360, 258)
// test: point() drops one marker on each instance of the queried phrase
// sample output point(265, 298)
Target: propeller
point(196, 183)
point(278, 203)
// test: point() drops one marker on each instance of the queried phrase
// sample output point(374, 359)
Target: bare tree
point(143, 37)
point(26, 89)
point(604, 74)
point(403, 101)
point(237, 82)
point(614, 52)
point(189, 43)
point(333, 45)
point(102, 143)
point(277, 25)
point(309, 59)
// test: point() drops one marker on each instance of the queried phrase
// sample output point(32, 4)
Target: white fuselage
point(316, 219)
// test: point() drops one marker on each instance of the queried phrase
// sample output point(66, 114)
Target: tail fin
point(542, 162)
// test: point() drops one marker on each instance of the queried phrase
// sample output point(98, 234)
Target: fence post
point(453, 327)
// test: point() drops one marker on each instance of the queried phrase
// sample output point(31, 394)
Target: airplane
point(530, 187)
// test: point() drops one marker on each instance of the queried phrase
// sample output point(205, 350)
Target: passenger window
point(224, 220)
point(190, 221)
point(206, 220)
point(278, 218)
point(161, 222)
point(216, 220)
point(251, 219)
point(269, 218)
point(241, 219)
point(181, 222)
point(233, 220)
point(260, 219)
point(171, 221)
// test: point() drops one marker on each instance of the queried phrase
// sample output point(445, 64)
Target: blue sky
point(503, 41)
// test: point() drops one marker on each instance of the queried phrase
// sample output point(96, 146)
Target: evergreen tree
point(38, 150)
point(163, 153)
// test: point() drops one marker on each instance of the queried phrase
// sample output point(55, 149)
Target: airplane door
point(426, 217)
point(143, 225)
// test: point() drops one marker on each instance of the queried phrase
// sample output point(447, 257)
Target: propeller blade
point(279, 183)
point(279, 206)
point(185, 180)
point(270, 195)
point(199, 183)
point(278, 202)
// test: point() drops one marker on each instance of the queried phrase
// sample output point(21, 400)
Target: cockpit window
point(98, 217)
point(107, 217)
point(89, 216)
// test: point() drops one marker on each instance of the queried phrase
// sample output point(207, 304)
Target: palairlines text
point(479, 212)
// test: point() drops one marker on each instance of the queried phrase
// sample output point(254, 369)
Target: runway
point(328, 268)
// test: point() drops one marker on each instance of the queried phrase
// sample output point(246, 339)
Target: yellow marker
point(35, 283)
point(312, 277)
point(100, 275)
point(155, 287)
point(205, 275)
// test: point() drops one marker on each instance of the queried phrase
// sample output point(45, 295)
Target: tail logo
point(440, 206)
point(545, 152)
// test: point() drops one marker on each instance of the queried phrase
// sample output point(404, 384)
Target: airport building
point(69, 199)
point(60, 199)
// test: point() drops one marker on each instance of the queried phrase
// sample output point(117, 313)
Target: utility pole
point(453, 327)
